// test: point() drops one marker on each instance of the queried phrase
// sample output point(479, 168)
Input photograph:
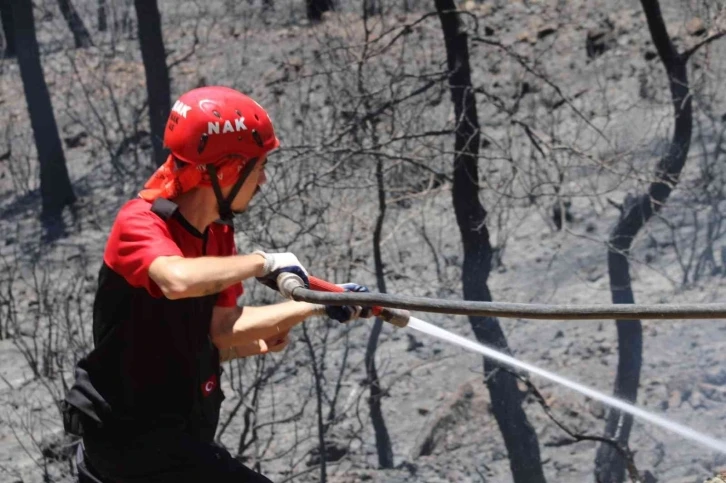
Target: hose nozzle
point(397, 317)
point(287, 282)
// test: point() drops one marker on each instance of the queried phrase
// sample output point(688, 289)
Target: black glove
point(347, 313)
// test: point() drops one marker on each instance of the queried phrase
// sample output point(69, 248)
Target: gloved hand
point(347, 313)
point(277, 263)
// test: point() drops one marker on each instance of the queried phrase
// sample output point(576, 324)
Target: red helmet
point(210, 123)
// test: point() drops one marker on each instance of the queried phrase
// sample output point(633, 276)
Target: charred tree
point(316, 8)
point(55, 185)
point(6, 17)
point(383, 440)
point(101, 16)
point(369, 130)
point(635, 213)
point(319, 396)
point(372, 7)
point(157, 72)
point(81, 37)
point(519, 436)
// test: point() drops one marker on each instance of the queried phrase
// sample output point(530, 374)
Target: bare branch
point(715, 36)
point(542, 77)
point(624, 451)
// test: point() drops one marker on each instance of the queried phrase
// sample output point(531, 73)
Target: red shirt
point(139, 236)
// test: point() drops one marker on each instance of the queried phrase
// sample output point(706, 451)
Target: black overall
point(142, 398)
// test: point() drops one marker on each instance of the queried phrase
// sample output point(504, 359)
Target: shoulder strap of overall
point(163, 208)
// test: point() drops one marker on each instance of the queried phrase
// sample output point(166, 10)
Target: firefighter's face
point(252, 186)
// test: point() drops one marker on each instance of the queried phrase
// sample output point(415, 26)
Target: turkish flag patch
point(210, 385)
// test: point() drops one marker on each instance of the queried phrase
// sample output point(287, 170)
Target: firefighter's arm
point(239, 327)
point(255, 348)
point(180, 277)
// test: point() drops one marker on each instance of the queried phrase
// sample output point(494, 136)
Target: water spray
point(291, 286)
point(704, 439)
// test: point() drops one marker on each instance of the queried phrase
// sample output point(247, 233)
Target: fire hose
point(394, 309)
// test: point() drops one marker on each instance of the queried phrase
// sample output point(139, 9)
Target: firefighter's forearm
point(240, 351)
point(179, 277)
point(262, 323)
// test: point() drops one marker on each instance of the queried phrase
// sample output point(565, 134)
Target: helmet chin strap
point(225, 204)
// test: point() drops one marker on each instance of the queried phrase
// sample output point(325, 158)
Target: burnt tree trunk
point(55, 185)
point(372, 7)
point(609, 464)
point(101, 16)
point(519, 436)
point(316, 8)
point(81, 37)
point(319, 395)
point(6, 17)
point(157, 72)
point(383, 440)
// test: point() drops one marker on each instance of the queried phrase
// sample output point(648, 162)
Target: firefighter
point(146, 399)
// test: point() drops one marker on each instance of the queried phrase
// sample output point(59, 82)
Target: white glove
point(277, 263)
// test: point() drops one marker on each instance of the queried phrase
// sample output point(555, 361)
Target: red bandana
point(169, 181)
